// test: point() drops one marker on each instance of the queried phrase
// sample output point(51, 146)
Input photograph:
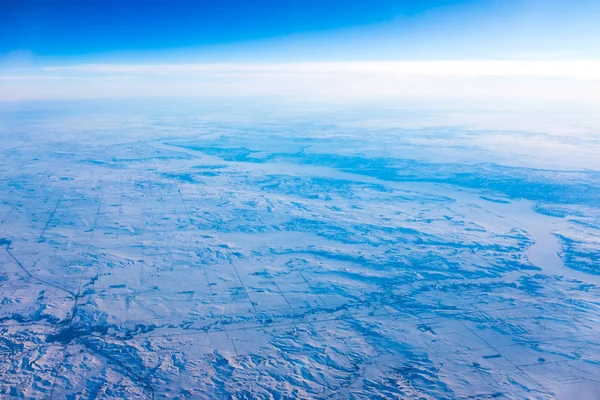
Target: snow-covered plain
point(217, 255)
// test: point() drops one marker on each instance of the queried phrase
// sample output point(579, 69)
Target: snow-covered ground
point(258, 256)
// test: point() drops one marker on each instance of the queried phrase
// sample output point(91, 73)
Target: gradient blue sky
point(299, 30)
point(350, 49)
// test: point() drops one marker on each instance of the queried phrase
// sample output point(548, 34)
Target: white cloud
point(508, 80)
point(567, 69)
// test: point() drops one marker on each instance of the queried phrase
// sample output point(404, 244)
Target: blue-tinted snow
point(215, 255)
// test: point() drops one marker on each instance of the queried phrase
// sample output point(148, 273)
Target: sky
point(61, 49)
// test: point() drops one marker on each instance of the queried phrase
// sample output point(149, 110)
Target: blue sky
point(72, 28)
point(508, 49)
point(300, 30)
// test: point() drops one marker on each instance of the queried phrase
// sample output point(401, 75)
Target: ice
point(230, 257)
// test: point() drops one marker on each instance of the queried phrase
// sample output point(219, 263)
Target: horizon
point(45, 47)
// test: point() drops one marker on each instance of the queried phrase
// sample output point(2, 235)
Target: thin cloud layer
point(523, 80)
point(567, 69)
